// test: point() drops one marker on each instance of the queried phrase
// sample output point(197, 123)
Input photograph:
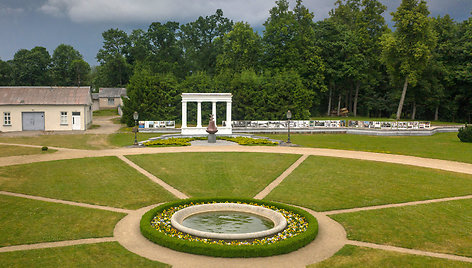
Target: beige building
point(108, 98)
point(45, 108)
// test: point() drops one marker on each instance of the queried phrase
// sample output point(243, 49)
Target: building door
point(33, 120)
point(76, 121)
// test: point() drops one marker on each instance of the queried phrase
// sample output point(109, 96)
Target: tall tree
point(31, 67)
point(165, 53)
point(80, 71)
point(63, 72)
point(408, 50)
point(289, 45)
point(113, 58)
point(5, 74)
point(201, 41)
point(153, 96)
point(242, 49)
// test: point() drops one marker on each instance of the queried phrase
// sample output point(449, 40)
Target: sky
point(80, 23)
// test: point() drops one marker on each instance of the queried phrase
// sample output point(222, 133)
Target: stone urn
point(211, 130)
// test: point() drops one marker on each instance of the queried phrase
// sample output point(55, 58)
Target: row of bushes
point(186, 141)
point(171, 142)
point(239, 251)
point(248, 141)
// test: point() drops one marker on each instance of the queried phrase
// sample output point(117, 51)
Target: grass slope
point(352, 256)
point(444, 227)
point(94, 255)
point(26, 221)
point(216, 174)
point(327, 183)
point(102, 181)
point(10, 150)
point(441, 146)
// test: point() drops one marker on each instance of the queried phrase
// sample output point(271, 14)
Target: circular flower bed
point(301, 229)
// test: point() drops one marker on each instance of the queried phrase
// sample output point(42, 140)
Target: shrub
point(248, 141)
point(44, 148)
point(465, 133)
point(216, 250)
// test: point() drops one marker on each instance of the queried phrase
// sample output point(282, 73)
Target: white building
point(45, 108)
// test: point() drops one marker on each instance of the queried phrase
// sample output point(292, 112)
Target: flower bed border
point(239, 251)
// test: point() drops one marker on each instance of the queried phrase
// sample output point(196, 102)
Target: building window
point(63, 118)
point(7, 119)
point(111, 101)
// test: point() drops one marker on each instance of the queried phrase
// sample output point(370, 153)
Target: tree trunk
point(349, 102)
point(358, 84)
point(413, 113)
point(339, 104)
point(329, 100)
point(436, 113)
point(402, 99)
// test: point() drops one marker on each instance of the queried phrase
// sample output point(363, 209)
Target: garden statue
point(211, 129)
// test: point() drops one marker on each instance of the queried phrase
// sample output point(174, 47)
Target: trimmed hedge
point(248, 141)
point(465, 133)
point(239, 251)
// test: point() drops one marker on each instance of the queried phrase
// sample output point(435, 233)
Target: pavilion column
point(199, 114)
point(228, 113)
point(213, 111)
point(184, 114)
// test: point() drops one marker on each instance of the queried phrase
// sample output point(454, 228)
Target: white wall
point(52, 116)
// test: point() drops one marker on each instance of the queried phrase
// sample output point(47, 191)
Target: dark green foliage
point(31, 67)
point(465, 133)
point(153, 96)
point(44, 148)
point(242, 251)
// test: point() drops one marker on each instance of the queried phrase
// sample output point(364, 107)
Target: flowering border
point(296, 225)
point(302, 229)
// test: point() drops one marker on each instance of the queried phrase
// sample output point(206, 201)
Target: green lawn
point(216, 174)
point(444, 227)
point(79, 141)
point(126, 139)
point(352, 256)
point(100, 255)
point(73, 141)
point(441, 146)
point(26, 221)
point(328, 183)
point(106, 112)
point(103, 181)
point(10, 150)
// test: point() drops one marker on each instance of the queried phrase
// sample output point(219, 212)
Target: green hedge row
point(240, 251)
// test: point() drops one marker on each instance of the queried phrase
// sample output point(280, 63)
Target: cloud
point(126, 11)
point(5, 11)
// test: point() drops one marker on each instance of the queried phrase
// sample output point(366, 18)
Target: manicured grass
point(328, 183)
point(127, 139)
point(444, 227)
point(216, 174)
point(10, 150)
point(81, 141)
point(26, 221)
point(103, 181)
point(106, 112)
point(109, 254)
point(73, 141)
point(352, 256)
point(441, 146)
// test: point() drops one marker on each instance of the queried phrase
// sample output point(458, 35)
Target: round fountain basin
point(229, 221)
